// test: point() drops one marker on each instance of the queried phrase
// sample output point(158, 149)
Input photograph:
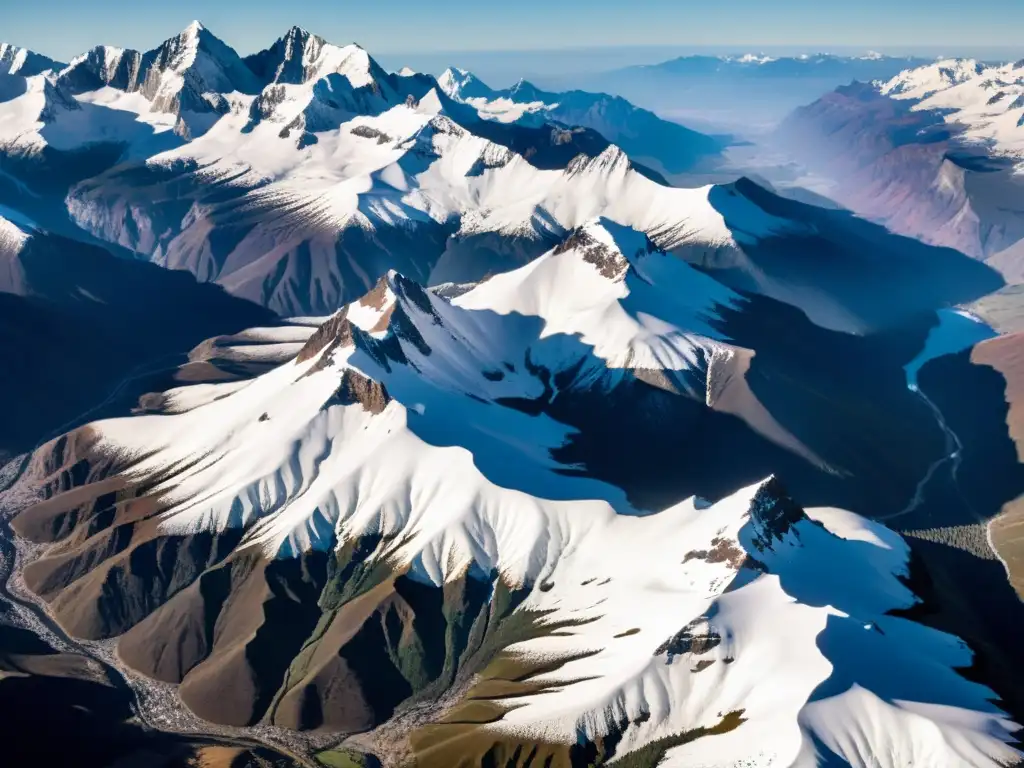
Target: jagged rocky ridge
point(298, 176)
point(668, 147)
point(581, 372)
point(383, 533)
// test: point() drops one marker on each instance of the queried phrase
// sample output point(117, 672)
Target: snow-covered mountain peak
point(460, 84)
point(191, 71)
point(301, 57)
point(14, 231)
point(773, 513)
point(33, 102)
point(610, 162)
point(524, 90)
point(748, 605)
point(983, 104)
point(923, 81)
point(15, 60)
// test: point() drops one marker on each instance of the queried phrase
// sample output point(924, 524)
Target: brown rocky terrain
point(342, 643)
point(1005, 354)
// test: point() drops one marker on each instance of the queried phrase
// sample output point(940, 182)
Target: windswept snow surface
point(674, 618)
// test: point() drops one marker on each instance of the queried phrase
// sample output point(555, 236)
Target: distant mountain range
point(666, 146)
point(742, 93)
point(444, 430)
point(870, 66)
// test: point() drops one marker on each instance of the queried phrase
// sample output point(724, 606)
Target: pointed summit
point(525, 91)
point(773, 513)
point(302, 57)
point(190, 73)
point(460, 84)
point(605, 245)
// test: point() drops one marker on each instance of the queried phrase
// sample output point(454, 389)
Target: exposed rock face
point(352, 589)
point(367, 132)
point(723, 550)
point(609, 261)
point(286, 60)
point(23, 62)
point(695, 638)
point(773, 514)
point(103, 66)
point(401, 520)
point(189, 72)
point(354, 388)
point(334, 333)
point(332, 641)
point(300, 57)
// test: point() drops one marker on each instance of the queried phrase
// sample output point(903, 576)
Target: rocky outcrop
point(101, 67)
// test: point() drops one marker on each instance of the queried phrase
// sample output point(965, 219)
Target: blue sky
point(62, 28)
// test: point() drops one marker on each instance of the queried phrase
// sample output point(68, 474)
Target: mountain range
point(933, 152)
point(429, 424)
point(742, 94)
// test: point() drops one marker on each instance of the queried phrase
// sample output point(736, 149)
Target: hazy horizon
point(464, 27)
point(503, 66)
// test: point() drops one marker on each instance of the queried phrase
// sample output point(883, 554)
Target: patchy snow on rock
point(988, 101)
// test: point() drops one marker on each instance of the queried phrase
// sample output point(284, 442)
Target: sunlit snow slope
point(388, 507)
point(298, 176)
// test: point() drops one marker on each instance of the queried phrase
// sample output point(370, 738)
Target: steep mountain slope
point(1006, 356)
point(932, 153)
point(301, 57)
point(77, 323)
point(383, 533)
point(282, 115)
point(21, 61)
point(100, 67)
point(329, 217)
